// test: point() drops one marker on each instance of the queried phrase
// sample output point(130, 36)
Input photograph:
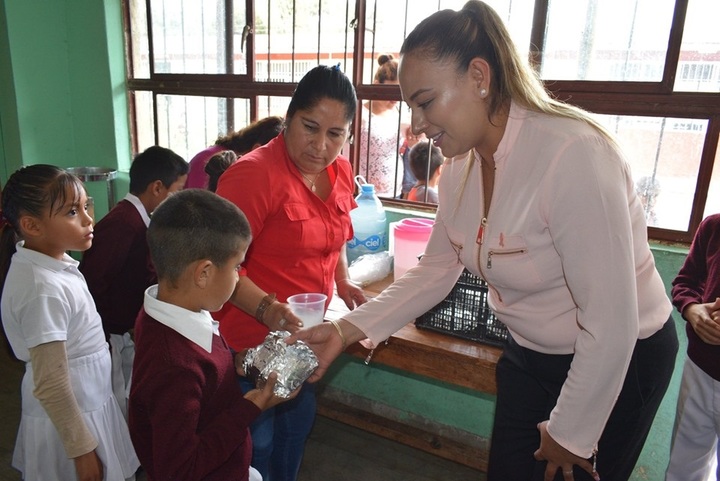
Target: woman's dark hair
point(35, 190)
point(323, 82)
point(259, 132)
point(191, 225)
point(216, 165)
point(387, 69)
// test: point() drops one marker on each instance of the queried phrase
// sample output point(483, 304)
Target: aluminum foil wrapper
point(293, 364)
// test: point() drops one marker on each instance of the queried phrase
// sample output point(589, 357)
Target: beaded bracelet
point(342, 337)
point(263, 306)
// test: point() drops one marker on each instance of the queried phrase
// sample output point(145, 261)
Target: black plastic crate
point(465, 313)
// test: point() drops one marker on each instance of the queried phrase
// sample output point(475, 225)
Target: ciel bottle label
point(372, 243)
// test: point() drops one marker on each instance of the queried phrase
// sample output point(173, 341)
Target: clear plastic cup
point(309, 307)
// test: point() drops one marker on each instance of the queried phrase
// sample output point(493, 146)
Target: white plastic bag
point(370, 268)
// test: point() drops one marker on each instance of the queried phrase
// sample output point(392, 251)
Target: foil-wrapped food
point(292, 363)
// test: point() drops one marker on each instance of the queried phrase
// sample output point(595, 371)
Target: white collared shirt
point(134, 200)
point(45, 300)
point(197, 327)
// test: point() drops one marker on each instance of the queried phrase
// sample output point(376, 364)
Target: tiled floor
point(335, 451)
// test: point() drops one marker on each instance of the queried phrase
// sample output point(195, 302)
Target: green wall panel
point(414, 394)
point(37, 32)
point(62, 73)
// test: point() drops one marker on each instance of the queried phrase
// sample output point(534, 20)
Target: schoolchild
point(117, 267)
point(71, 426)
point(189, 419)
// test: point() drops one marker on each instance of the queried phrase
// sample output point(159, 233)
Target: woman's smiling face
point(446, 107)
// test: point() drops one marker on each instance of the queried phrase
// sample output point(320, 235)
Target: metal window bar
point(398, 133)
point(697, 105)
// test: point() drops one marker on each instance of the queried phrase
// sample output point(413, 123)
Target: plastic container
point(466, 313)
point(309, 307)
point(408, 240)
point(369, 223)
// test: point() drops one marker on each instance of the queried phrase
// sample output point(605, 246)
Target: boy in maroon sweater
point(117, 267)
point(188, 417)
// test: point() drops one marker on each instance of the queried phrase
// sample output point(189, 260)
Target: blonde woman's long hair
point(478, 31)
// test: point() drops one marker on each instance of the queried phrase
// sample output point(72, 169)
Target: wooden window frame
point(615, 98)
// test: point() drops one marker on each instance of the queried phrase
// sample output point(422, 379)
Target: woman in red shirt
point(297, 193)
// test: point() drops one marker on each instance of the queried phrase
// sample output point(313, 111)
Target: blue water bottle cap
point(368, 188)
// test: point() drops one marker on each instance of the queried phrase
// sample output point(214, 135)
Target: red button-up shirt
point(297, 237)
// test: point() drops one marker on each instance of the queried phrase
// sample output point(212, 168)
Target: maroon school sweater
point(117, 267)
point(188, 417)
point(699, 282)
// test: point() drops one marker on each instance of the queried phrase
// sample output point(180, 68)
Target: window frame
point(603, 97)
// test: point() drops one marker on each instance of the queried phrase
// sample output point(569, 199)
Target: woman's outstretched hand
point(327, 340)
point(324, 341)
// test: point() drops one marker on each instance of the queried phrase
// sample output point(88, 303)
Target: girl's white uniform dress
point(46, 300)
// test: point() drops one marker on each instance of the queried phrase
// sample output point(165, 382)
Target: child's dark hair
point(156, 163)
point(323, 82)
point(259, 132)
point(422, 168)
point(34, 190)
point(194, 224)
point(216, 165)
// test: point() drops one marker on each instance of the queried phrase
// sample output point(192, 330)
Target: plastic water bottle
point(369, 223)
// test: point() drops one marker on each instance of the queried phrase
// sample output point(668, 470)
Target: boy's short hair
point(156, 163)
point(195, 224)
point(419, 160)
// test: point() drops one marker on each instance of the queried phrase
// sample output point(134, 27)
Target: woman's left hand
point(558, 457)
point(350, 293)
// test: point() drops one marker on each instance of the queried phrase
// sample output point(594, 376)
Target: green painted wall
point(62, 77)
point(9, 129)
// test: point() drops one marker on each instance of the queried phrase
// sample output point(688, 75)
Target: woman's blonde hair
point(478, 31)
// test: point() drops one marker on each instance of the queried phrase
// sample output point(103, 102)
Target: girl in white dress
point(71, 426)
